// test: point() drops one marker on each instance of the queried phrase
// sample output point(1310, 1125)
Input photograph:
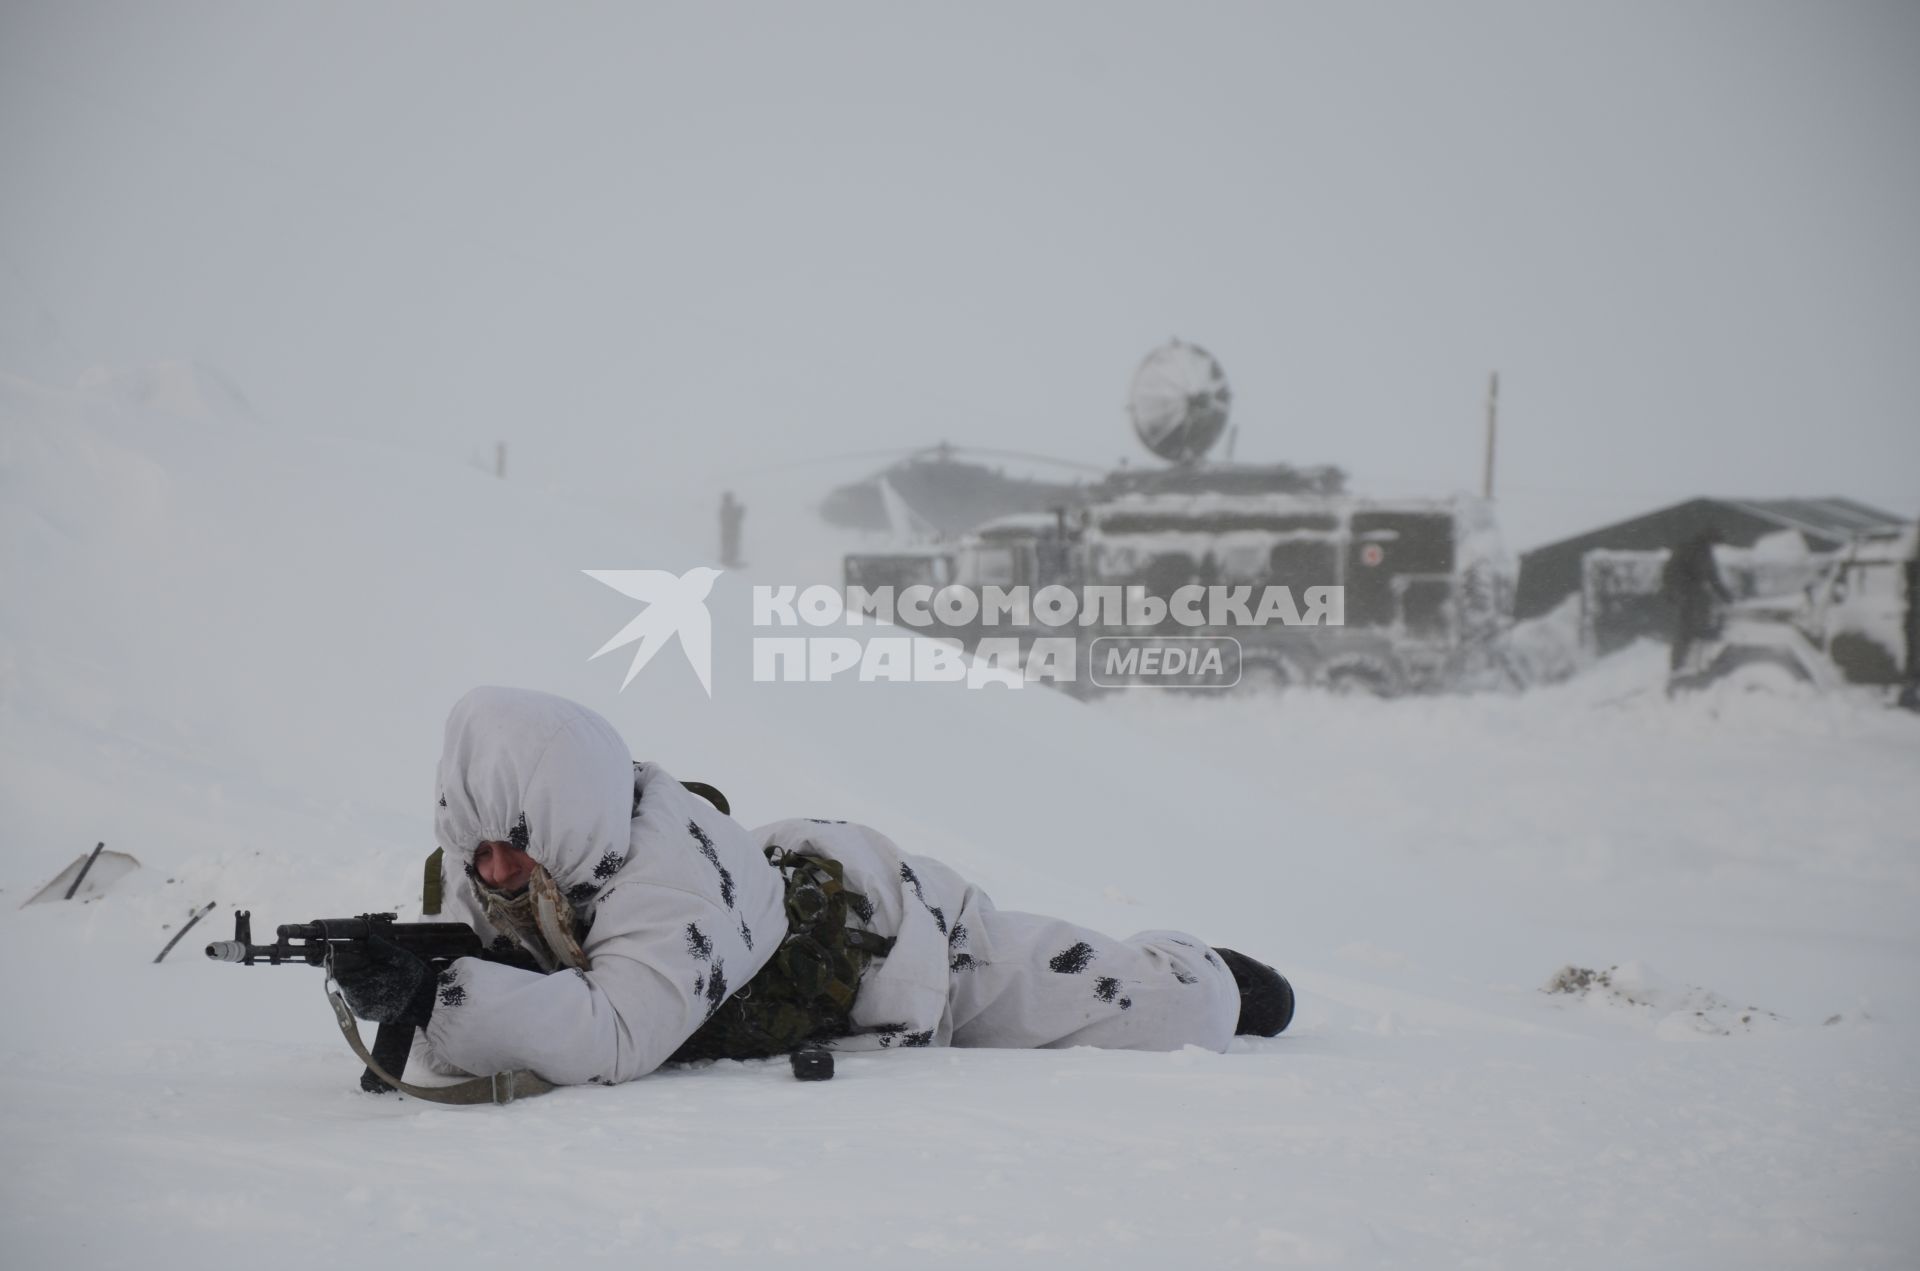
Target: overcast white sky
point(658, 239)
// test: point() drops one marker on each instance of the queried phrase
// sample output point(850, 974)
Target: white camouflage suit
point(683, 908)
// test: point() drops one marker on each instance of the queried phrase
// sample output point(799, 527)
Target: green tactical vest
point(805, 992)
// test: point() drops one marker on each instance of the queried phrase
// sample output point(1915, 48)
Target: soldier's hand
point(384, 983)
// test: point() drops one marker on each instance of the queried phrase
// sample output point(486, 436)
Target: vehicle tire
point(1361, 676)
point(1267, 676)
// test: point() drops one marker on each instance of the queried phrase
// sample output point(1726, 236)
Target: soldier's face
point(502, 866)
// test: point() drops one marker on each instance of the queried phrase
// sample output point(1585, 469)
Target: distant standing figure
point(1692, 586)
point(732, 512)
point(1910, 693)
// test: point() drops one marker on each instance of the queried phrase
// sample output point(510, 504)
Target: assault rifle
point(341, 944)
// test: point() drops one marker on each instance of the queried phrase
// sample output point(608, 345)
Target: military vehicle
point(1427, 583)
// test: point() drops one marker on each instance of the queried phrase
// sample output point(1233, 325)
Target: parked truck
point(1425, 584)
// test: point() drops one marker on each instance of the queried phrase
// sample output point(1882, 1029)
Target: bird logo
point(676, 605)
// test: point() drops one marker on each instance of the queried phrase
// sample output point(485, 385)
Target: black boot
point(1266, 999)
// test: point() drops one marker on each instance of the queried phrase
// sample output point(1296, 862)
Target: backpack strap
point(432, 885)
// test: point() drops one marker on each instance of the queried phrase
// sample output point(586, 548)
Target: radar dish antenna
point(1179, 402)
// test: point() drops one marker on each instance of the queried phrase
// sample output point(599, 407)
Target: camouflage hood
point(544, 774)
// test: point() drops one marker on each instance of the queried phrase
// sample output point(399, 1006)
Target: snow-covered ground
point(227, 650)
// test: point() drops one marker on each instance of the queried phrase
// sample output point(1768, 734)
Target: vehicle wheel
point(1361, 676)
point(1266, 676)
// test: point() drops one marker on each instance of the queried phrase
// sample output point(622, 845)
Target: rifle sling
point(501, 1087)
